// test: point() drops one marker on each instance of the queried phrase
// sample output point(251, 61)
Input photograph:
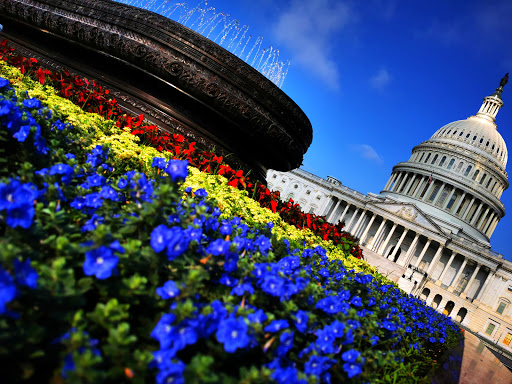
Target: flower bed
point(92, 97)
point(108, 274)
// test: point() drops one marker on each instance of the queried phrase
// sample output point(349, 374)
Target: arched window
point(459, 167)
point(421, 157)
point(442, 161)
point(474, 138)
point(475, 174)
point(483, 178)
point(434, 159)
point(468, 169)
point(467, 135)
point(461, 133)
point(450, 165)
point(488, 183)
point(428, 157)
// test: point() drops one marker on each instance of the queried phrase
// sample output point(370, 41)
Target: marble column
point(385, 244)
point(455, 281)
point(436, 258)
point(456, 208)
point(466, 212)
point(488, 279)
point(489, 222)
point(356, 227)
point(402, 183)
point(408, 186)
point(447, 201)
point(475, 216)
point(397, 182)
point(377, 234)
point(445, 269)
point(411, 250)
point(483, 218)
point(429, 190)
point(331, 216)
point(363, 236)
point(389, 182)
point(397, 246)
point(344, 212)
point(489, 231)
point(352, 219)
point(420, 257)
point(439, 194)
point(473, 276)
point(420, 187)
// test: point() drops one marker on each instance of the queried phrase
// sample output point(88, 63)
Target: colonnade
point(446, 197)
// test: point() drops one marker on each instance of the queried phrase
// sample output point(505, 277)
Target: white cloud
point(368, 152)
point(380, 79)
point(308, 29)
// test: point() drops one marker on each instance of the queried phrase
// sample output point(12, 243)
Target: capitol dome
point(458, 175)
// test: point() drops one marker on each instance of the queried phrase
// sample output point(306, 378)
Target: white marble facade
point(429, 229)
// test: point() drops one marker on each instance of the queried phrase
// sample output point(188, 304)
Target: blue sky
point(378, 77)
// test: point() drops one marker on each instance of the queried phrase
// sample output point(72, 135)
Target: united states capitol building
point(429, 229)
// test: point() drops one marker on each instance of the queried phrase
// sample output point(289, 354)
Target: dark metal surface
point(180, 80)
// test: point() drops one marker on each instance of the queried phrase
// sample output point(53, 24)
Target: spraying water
point(223, 30)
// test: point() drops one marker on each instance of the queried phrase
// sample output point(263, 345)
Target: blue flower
point(356, 301)
point(286, 344)
point(330, 305)
point(263, 243)
point(8, 290)
point(92, 223)
point(257, 317)
point(109, 193)
point(185, 333)
point(159, 162)
point(350, 356)
point(169, 291)
point(177, 169)
point(317, 365)
point(218, 247)
point(286, 375)
point(25, 274)
point(93, 200)
point(225, 228)
point(21, 216)
point(301, 321)
point(177, 243)
point(32, 103)
point(276, 326)
point(352, 369)
point(162, 330)
point(171, 373)
point(273, 285)
point(100, 262)
point(242, 288)
point(232, 332)
point(159, 238)
point(95, 180)
point(201, 193)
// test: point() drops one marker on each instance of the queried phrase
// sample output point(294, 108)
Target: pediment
point(410, 212)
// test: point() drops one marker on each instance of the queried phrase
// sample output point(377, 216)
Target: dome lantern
point(493, 103)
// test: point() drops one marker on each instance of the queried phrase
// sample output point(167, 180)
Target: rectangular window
point(434, 193)
point(501, 308)
point(507, 339)
point(490, 328)
point(442, 199)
